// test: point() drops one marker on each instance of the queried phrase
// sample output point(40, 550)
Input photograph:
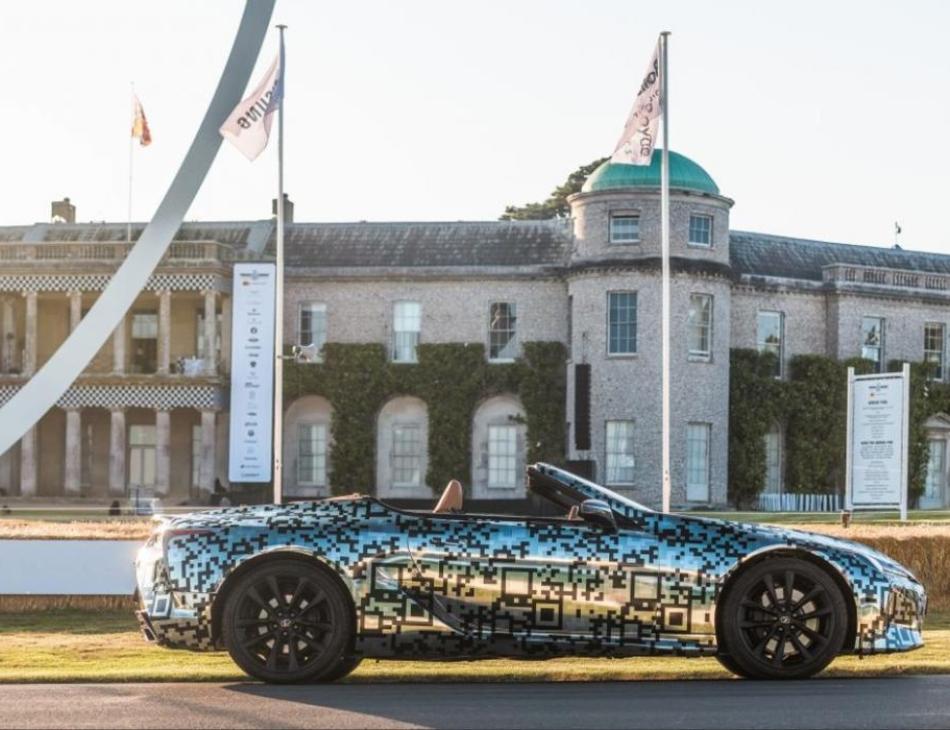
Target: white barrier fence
point(799, 503)
point(68, 567)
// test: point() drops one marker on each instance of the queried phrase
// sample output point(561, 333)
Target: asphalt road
point(897, 702)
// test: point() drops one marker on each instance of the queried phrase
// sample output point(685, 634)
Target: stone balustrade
point(848, 274)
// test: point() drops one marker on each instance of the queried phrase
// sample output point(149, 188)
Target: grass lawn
point(105, 646)
point(77, 524)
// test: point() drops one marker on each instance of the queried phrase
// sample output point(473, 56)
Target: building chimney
point(62, 211)
point(288, 209)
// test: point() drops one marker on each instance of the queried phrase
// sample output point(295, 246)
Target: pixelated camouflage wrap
point(435, 586)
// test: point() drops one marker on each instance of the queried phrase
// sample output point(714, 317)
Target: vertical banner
point(252, 373)
point(878, 429)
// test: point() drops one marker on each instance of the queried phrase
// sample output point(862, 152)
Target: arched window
point(498, 449)
point(402, 449)
point(307, 447)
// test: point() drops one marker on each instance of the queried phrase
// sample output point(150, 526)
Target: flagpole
point(279, 302)
point(128, 218)
point(665, 256)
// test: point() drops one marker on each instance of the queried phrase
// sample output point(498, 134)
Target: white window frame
point(409, 325)
point(941, 354)
point(707, 327)
point(778, 472)
point(620, 460)
point(763, 346)
point(618, 240)
point(703, 482)
point(700, 244)
point(935, 485)
point(318, 335)
point(512, 346)
point(502, 464)
point(636, 307)
point(417, 456)
point(880, 347)
point(318, 475)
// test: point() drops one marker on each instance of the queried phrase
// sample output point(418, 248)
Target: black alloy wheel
point(287, 621)
point(783, 619)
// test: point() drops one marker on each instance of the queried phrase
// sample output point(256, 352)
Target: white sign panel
point(252, 373)
point(877, 440)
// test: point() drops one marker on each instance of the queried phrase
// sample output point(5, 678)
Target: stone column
point(206, 473)
point(28, 464)
point(164, 331)
point(8, 346)
point(163, 432)
point(72, 474)
point(226, 333)
point(117, 453)
point(29, 342)
point(75, 309)
point(211, 332)
point(118, 348)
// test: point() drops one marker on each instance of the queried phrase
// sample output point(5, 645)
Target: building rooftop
point(684, 174)
point(761, 254)
point(489, 244)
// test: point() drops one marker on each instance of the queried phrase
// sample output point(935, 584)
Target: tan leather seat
point(574, 513)
point(451, 499)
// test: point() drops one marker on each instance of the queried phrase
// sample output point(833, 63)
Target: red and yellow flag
point(140, 128)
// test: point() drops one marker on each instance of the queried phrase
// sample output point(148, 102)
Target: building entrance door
point(142, 457)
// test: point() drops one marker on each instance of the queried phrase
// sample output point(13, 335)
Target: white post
point(905, 438)
point(72, 472)
point(208, 469)
point(211, 332)
point(29, 340)
point(665, 256)
point(277, 447)
point(117, 452)
point(163, 428)
point(848, 456)
point(128, 226)
point(164, 331)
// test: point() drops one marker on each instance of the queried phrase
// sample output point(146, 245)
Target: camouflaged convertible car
point(305, 591)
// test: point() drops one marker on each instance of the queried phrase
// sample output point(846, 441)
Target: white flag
point(639, 134)
point(248, 126)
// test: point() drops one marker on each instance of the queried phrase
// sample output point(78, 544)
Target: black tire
point(782, 619)
point(286, 621)
point(346, 666)
point(729, 664)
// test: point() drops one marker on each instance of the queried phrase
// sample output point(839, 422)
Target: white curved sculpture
point(42, 391)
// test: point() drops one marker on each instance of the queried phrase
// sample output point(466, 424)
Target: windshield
point(567, 489)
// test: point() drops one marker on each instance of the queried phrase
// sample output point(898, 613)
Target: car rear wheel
point(286, 621)
point(782, 619)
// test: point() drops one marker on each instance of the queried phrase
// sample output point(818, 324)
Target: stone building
point(150, 411)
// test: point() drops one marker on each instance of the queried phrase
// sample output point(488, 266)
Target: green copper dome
point(684, 173)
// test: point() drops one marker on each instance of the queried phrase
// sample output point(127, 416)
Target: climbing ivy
point(812, 406)
point(452, 379)
point(755, 402)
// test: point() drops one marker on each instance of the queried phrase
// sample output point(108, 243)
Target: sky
point(824, 120)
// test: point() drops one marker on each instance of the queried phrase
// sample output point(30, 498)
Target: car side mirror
point(598, 512)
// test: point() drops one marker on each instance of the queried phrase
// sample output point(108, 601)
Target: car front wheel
point(782, 619)
point(286, 621)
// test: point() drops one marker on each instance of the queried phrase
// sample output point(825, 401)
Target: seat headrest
point(451, 499)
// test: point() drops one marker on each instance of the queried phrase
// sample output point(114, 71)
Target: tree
point(556, 205)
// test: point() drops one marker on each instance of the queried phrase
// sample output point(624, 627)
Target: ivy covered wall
point(452, 379)
point(811, 406)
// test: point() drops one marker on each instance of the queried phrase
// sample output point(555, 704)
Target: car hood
point(263, 515)
point(777, 535)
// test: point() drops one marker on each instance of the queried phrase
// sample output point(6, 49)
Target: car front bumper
point(173, 619)
point(894, 622)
